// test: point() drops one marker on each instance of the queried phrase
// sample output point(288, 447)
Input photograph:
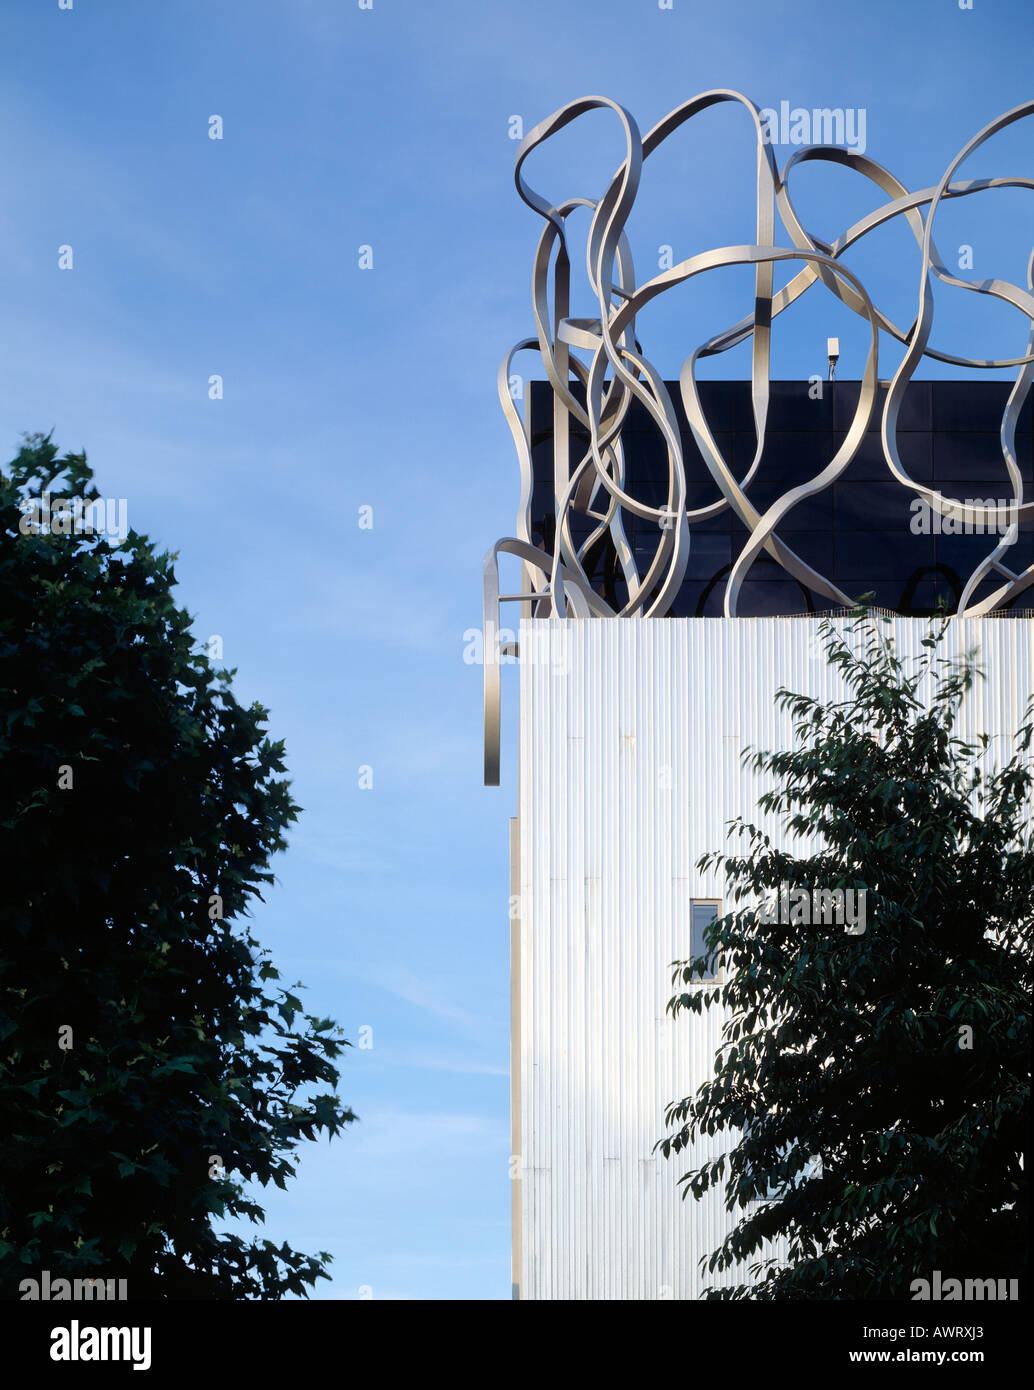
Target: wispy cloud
point(467, 1066)
point(429, 995)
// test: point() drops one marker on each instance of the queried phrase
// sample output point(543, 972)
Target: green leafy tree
point(877, 1084)
point(152, 1071)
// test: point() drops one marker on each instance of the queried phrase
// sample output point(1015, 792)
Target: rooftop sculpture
point(617, 371)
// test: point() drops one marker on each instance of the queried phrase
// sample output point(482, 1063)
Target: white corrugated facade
point(630, 740)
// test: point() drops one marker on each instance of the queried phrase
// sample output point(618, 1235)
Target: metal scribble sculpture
point(557, 585)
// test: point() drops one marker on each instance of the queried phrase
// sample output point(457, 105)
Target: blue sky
point(345, 388)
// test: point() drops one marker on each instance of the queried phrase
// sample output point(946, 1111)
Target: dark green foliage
point(183, 1047)
point(853, 1049)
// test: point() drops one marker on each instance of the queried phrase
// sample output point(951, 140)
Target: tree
point(151, 1069)
point(878, 1080)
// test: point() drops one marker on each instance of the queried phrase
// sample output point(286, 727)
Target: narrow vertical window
point(701, 915)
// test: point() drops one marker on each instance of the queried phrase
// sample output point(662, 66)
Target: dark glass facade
point(857, 532)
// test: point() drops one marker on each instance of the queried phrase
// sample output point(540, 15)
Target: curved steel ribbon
point(617, 373)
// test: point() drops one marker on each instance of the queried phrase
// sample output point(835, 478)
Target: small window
point(701, 915)
point(776, 1190)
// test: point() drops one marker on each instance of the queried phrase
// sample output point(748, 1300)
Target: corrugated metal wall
point(630, 736)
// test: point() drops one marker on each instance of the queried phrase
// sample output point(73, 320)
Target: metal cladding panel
point(630, 740)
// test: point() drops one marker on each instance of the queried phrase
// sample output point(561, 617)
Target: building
point(732, 514)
